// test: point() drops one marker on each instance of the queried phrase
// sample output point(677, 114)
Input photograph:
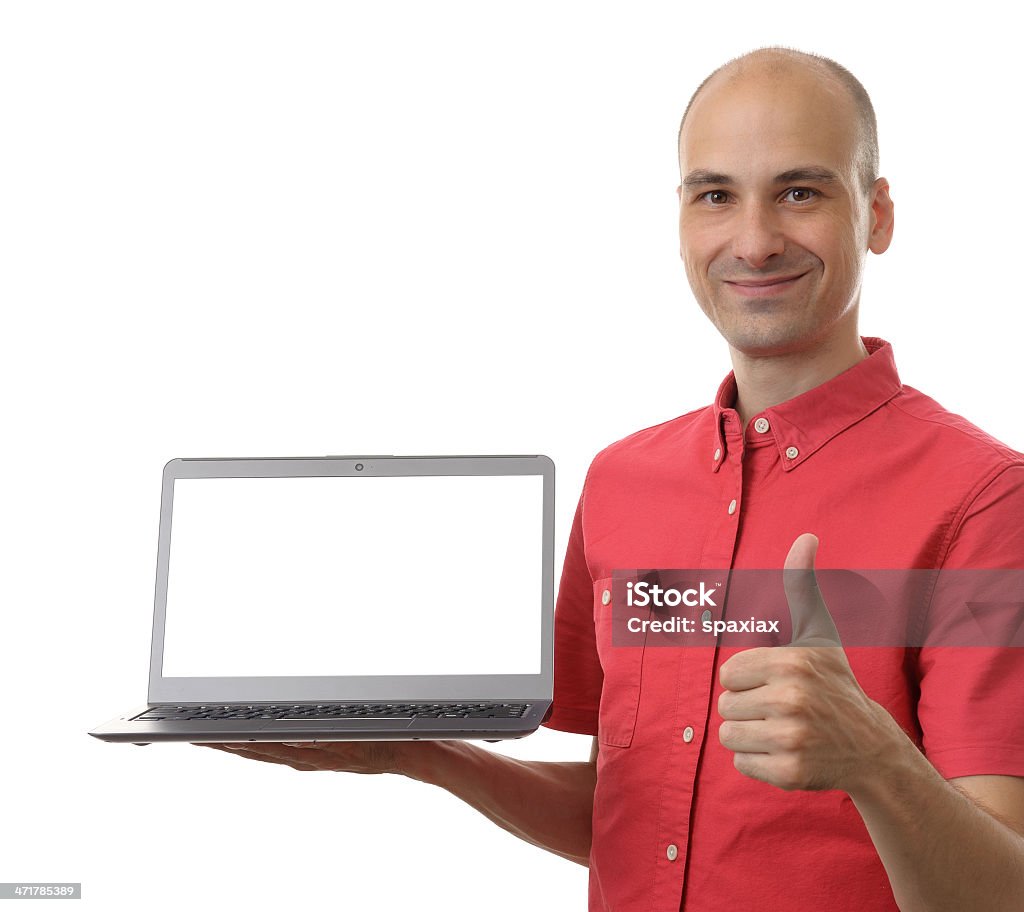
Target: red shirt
point(887, 479)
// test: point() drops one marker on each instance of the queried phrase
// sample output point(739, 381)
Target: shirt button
point(706, 617)
point(732, 506)
point(672, 852)
point(688, 734)
point(761, 425)
point(792, 452)
point(718, 454)
point(606, 596)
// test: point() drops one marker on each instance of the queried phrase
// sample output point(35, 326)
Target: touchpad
point(350, 725)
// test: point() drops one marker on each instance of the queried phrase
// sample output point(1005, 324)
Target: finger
point(812, 622)
point(230, 746)
point(275, 750)
point(757, 737)
point(755, 766)
point(294, 759)
point(294, 763)
point(744, 706)
point(748, 669)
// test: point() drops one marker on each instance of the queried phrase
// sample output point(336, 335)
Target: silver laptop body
point(350, 598)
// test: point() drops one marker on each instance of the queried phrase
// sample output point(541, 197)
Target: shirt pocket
point(622, 666)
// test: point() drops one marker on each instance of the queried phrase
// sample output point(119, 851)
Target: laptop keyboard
point(302, 712)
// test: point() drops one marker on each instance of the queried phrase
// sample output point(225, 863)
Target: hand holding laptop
point(333, 756)
point(549, 804)
point(382, 609)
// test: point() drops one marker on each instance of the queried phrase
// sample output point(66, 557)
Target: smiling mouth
point(758, 288)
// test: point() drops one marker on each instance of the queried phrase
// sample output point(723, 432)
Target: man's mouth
point(766, 285)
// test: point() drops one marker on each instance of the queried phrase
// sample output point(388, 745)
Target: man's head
point(780, 200)
point(774, 61)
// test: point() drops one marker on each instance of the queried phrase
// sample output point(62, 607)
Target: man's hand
point(548, 804)
point(795, 715)
point(337, 756)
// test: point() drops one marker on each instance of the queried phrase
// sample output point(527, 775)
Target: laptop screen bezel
point(354, 688)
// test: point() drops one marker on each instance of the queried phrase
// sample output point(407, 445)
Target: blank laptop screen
point(427, 575)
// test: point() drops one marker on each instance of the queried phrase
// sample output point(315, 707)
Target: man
point(804, 776)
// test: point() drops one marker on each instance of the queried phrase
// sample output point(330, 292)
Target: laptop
point(345, 598)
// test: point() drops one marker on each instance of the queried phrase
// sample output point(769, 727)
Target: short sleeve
point(578, 677)
point(971, 707)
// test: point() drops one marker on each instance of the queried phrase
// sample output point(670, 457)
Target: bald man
point(804, 776)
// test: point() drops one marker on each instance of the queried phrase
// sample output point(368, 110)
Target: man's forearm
point(548, 804)
point(941, 851)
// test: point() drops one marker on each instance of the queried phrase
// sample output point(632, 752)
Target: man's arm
point(954, 845)
point(797, 718)
point(548, 804)
point(946, 846)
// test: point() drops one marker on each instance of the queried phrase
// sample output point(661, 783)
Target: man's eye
point(800, 195)
point(715, 197)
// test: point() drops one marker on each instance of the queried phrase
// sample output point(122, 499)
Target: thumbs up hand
point(794, 715)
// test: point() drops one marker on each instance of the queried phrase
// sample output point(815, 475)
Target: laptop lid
point(362, 578)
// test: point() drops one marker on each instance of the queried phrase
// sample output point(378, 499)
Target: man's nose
point(758, 234)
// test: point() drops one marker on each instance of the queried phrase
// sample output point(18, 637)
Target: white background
point(239, 229)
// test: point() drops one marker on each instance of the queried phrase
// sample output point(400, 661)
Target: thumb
point(812, 622)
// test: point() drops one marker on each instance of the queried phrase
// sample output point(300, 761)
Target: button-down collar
point(805, 423)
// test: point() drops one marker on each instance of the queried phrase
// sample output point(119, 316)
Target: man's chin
point(767, 341)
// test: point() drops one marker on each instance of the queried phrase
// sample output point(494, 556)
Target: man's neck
point(762, 382)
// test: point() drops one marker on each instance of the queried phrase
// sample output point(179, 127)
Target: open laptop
point(349, 598)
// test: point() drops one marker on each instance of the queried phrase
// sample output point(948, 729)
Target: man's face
point(773, 224)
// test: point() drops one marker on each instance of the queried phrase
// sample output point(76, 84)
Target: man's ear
point(880, 236)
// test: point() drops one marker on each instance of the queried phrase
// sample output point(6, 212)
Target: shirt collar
point(804, 424)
